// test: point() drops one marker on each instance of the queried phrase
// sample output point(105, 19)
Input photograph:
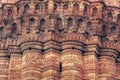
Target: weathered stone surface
point(59, 40)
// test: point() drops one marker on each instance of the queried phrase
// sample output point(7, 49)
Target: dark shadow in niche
point(94, 12)
point(37, 7)
point(76, 7)
point(1, 29)
point(79, 22)
point(85, 10)
point(29, 48)
point(60, 69)
point(26, 8)
point(42, 25)
point(55, 6)
point(31, 21)
point(5, 22)
point(14, 28)
point(118, 17)
point(104, 30)
point(10, 12)
point(69, 22)
point(65, 6)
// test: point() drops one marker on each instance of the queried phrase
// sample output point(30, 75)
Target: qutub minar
point(60, 40)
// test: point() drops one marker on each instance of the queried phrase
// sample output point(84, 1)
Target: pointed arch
point(113, 30)
point(55, 6)
point(85, 10)
point(26, 8)
point(14, 28)
point(42, 21)
point(10, 11)
point(37, 7)
point(90, 27)
point(89, 24)
point(31, 21)
point(79, 22)
point(94, 11)
point(1, 29)
point(110, 15)
point(69, 22)
point(46, 6)
point(18, 9)
point(118, 17)
point(59, 23)
point(5, 22)
point(76, 7)
point(22, 22)
point(65, 6)
point(104, 30)
point(42, 24)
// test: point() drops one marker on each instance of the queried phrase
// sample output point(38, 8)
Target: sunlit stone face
point(110, 2)
point(118, 3)
point(9, 1)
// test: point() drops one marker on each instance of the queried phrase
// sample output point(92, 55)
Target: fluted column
point(4, 65)
point(118, 71)
point(72, 61)
point(91, 63)
point(31, 61)
point(107, 65)
point(15, 63)
point(51, 61)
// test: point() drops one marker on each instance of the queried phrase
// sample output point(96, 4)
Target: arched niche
point(55, 6)
point(22, 22)
point(18, 9)
point(31, 21)
point(14, 28)
point(69, 22)
point(65, 6)
point(46, 6)
point(76, 7)
point(104, 30)
point(118, 17)
point(89, 24)
point(110, 15)
point(10, 11)
point(42, 24)
point(79, 22)
point(113, 30)
point(5, 22)
point(37, 7)
point(94, 11)
point(85, 11)
point(90, 27)
point(1, 29)
point(26, 8)
point(59, 24)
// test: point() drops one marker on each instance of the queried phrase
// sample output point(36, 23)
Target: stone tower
point(60, 40)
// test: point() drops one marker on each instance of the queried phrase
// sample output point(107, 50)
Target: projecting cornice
point(114, 3)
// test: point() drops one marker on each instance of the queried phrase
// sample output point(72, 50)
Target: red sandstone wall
point(40, 41)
